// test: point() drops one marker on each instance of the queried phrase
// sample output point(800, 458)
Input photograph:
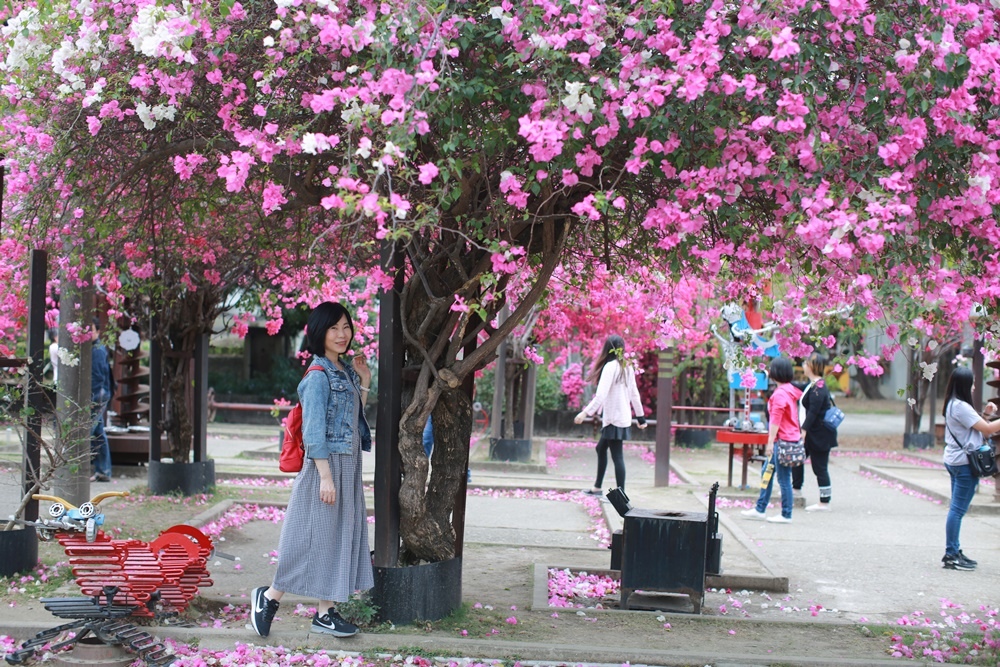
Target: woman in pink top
point(617, 395)
point(783, 417)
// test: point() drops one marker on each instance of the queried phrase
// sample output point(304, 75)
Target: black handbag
point(982, 461)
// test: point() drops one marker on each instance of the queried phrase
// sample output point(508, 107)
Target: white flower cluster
point(315, 143)
point(149, 115)
point(67, 358)
point(152, 35)
point(499, 13)
point(575, 101)
point(354, 113)
point(23, 32)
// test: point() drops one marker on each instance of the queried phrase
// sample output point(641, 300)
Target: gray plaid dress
point(323, 552)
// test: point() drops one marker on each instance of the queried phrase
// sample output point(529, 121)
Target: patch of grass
point(42, 581)
point(477, 622)
point(359, 610)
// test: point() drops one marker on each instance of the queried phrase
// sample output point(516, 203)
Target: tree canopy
point(179, 151)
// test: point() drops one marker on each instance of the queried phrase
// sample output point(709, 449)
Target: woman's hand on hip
point(327, 491)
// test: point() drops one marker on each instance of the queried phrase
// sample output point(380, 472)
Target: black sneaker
point(331, 623)
point(262, 611)
point(952, 562)
point(966, 559)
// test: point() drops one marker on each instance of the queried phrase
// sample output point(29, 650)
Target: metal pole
point(664, 416)
point(388, 463)
point(36, 398)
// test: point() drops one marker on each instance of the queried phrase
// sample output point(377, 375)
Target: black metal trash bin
point(668, 552)
point(664, 552)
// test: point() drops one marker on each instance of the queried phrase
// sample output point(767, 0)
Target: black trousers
point(617, 457)
point(820, 462)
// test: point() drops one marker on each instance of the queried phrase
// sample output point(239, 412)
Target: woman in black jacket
point(819, 439)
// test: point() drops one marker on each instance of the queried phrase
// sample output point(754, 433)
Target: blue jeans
point(429, 436)
point(963, 487)
point(100, 453)
point(784, 475)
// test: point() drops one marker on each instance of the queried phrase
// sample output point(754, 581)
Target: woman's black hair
point(781, 370)
point(322, 317)
point(614, 349)
point(959, 386)
point(817, 364)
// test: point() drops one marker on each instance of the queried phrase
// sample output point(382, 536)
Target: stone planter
point(18, 551)
point(188, 479)
point(918, 440)
point(503, 449)
point(696, 438)
point(426, 592)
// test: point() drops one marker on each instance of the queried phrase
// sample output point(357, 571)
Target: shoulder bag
point(790, 453)
point(982, 461)
point(833, 416)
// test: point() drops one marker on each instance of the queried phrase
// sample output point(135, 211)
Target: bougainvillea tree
point(847, 147)
point(649, 309)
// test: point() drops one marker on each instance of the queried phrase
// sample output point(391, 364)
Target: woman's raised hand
point(360, 364)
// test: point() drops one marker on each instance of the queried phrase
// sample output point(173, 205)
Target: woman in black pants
point(819, 439)
point(616, 398)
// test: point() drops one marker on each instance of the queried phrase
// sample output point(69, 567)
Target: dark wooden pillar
point(36, 398)
point(155, 393)
point(664, 416)
point(458, 514)
point(200, 402)
point(978, 373)
point(388, 464)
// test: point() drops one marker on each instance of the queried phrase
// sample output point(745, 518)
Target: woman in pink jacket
point(617, 395)
point(783, 420)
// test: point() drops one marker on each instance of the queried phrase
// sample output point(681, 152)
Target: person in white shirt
point(617, 395)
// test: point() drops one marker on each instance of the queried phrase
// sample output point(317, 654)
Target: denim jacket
point(327, 398)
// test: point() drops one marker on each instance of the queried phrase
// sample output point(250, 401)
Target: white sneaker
point(778, 519)
point(752, 513)
point(819, 507)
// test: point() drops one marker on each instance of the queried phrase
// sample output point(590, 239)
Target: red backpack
point(293, 451)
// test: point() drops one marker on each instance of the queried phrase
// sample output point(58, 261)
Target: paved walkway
point(875, 557)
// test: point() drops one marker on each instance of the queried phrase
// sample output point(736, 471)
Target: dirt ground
point(501, 577)
point(498, 585)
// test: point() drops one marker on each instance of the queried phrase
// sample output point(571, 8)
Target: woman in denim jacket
point(323, 552)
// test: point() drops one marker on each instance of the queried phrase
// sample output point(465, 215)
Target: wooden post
point(530, 383)
point(458, 514)
point(388, 463)
point(978, 374)
point(36, 398)
point(200, 402)
point(500, 384)
point(155, 393)
point(664, 416)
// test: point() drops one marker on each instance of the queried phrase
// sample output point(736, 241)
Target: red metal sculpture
point(121, 578)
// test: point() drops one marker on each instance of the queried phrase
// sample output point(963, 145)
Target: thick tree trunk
point(425, 519)
point(72, 481)
point(869, 386)
point(177, 423)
